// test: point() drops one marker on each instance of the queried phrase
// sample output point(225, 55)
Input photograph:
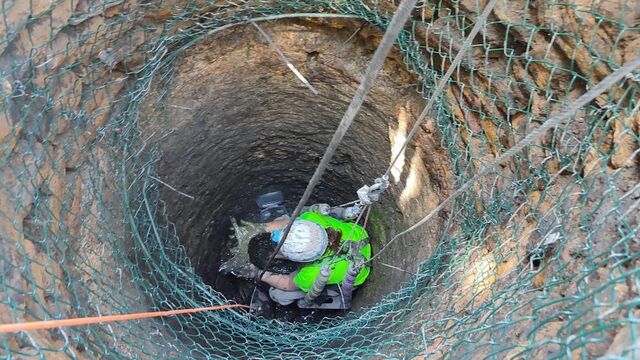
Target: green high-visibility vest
point(338, 264)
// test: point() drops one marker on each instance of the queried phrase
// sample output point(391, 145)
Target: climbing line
point(601, 87)
point(443, 81)
point(52, 324)
point(364, 212)
point(395, 26)
point(284, 58)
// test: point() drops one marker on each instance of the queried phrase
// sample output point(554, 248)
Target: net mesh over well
point(539, 261)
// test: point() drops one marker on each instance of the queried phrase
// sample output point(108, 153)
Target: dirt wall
point(65, 64)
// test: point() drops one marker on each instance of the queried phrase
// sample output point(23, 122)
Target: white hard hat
point(306, 241)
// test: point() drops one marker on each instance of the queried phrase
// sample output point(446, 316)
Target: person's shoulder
point(315, 217)
point(354, 231)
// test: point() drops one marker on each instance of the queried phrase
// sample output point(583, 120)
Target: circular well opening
point(236, 123)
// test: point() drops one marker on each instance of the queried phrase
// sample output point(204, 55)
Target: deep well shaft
point(131, 131)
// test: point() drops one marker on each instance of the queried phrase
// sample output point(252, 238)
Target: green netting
point(540, 261)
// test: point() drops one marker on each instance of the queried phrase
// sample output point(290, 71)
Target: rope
point(51, 324)
point(395, 26)
point(443, 81)
point(284, 58)
point(531, 137)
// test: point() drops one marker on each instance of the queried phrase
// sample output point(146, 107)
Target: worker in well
point(316, 241)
